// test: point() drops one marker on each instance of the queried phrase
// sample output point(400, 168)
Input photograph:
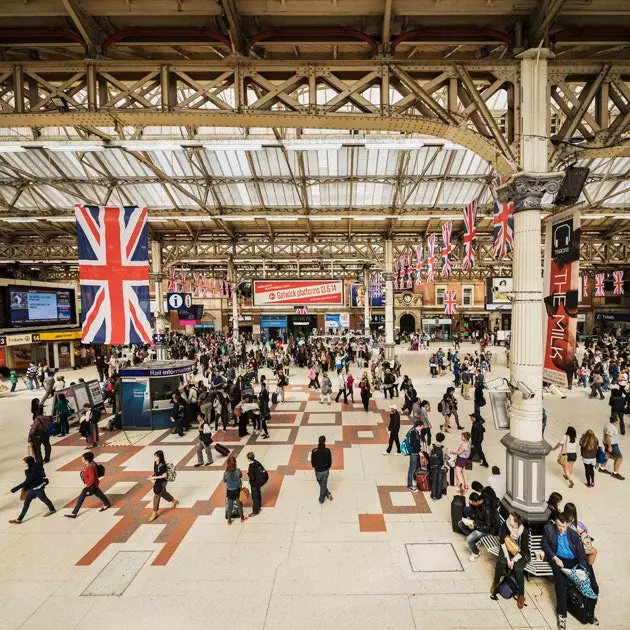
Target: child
point(13, 379)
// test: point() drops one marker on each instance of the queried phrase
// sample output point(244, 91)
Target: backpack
point(171, 473)
point(436, 459)
point(262, 476)
point(466, 377)
point(100, 470)
point(508, 587)
point(440, 406)
point(405, 445)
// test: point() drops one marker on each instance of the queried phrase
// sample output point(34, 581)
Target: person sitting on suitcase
point(513, 555)
point(476, 524)
point(563, 550)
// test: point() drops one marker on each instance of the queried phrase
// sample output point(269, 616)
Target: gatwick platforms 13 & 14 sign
point(300, 292)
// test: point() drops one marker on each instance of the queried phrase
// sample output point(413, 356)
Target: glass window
point(439, 296)
point(468, 296)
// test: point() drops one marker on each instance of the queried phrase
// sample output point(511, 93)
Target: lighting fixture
point(239, 218)
point(147, 145)
point(157, 219)
point(366, 217)
point(60, 219)
point(593, 216)
point(11, 147)
point(409, 217)
point(445, 145)
point(622, 217)
point(192, 218)
point(316, 218)
point(19, 220)
point(449, 217)
point(403, 144)
point(280, 218)
point(78, 146)
point(311, 145)
point(232, 145)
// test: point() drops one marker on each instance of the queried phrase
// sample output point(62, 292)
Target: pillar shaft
point(234, 286)
point(156, 268)
point(366, 306)
point(389, 300)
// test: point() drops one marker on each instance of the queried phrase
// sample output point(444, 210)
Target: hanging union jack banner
point(503, 226)
point(409, 271)
point(450, 302)
point(470, 235)
point(419, 257)
point(113, 247)
point(172, 280)
point(584, 287)
point(618, 288)
point(599, 285)
point(431, 258)
point(447, 248)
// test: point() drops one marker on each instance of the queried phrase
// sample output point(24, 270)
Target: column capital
point(526, 190)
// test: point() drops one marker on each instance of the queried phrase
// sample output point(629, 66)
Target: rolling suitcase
point(451, 475)
point(222, 450)
point(457, 510)
point(580, 606)
point(235, 513)
point(274, 398)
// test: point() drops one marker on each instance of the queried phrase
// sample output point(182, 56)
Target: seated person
point(513, 555)
point(563, 550)
point(477, 522)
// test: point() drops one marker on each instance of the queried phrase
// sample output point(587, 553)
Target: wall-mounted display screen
point(39, 306)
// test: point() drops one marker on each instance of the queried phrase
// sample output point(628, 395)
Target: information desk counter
point(146, 392)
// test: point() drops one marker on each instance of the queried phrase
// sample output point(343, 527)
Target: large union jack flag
point(447, 248)
point(431, 258)
point(450, 302)
point(470, 235)
point(419, 259)
point(599, 285)
point(503, 226)
point(114, 274)
point(618, 288)
point(585, 287)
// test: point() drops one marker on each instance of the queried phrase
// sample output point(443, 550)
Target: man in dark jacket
point(394, 429)
point(476, 437)
point(479, 512)
point(257, 478)
point(414, 456)
point(563, 550)
point(321, 460)
point(479, 399)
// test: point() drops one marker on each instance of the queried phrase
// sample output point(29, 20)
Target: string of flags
point(618, 281)
point(198, 284)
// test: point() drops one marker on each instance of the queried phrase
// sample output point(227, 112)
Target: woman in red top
point(89, 476)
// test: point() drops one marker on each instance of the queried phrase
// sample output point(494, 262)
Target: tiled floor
point(377, 556)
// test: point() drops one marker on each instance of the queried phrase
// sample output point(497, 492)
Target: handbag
point(562, 459)
point(511, 546)
point(587, 541)
point(243, 495)
point(581, 577)
point(23, 494)
point(600, 458)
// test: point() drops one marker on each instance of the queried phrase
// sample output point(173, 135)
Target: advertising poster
point(560, 290)
point(298, 292)
point(136, 403)
point(357, 297)
point(337, 320)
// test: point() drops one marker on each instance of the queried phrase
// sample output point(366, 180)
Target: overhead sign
point(298, 292)
point(18, 340)
point(61, 335)
point(178, 301)
point(337, 320)
point(159, 338)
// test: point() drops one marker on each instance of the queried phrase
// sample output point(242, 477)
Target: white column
point(234, 285)
point(366, 306)
point(389, 300)
point(156, 268)
point(526, 448)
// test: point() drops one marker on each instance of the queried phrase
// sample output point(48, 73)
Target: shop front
point(377, 323)
point(245, 324)
point(273, 326)
point(474, 326)
point(62, 348)
point(614, 322)
point(437, 327)
point(302, 325)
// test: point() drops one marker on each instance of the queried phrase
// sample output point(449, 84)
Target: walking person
point(445, 408)
point(612, 450)
point(350, 386)
point(38, 436)
point(476, 435)
point(204, 442)
point(568, 454)
point(312, 378)
point(617, 407)
point(341, 384)
point(89, 476)
point(414, 455)
point(33, 487)
point(321, 460)
point(325, 390)
point(31, 376)
point(394, 429)
point(463, 455)
point(258, 477)
point(283, 381)
point(366, 391)
point(479, 399)
point(160, 479)
point(265, 413)
point(596, 386)
point(233, 479)
point(588, 451)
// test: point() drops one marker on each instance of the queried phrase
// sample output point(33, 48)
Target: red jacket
point(89, 476)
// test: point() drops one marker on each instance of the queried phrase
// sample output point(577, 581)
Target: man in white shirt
point(611, 446)
point(497, 482)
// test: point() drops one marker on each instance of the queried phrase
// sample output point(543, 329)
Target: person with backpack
point(411, 446)
point(513, 556)
point(446, 409)
point(38, 436)
point(394, 429)
point(178, 414)
point(90, 475)
point(233, 479)
point(13, 379)
point(162, 474)
point(437, 461)
point(33, 486)
point(258, 477)
point(476, 436)
point(466, 377)
point(205, 440)
point(62, 410)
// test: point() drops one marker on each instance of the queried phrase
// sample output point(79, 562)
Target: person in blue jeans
point(414, 455)
point(35, 486)
point(479, 511)
point(321, 460)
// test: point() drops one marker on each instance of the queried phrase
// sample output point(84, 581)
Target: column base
point(161, 352)
point(389, 351)
point(525, 478)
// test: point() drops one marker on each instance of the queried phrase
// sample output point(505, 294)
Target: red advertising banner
point(561, 291)
point(298, 292)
